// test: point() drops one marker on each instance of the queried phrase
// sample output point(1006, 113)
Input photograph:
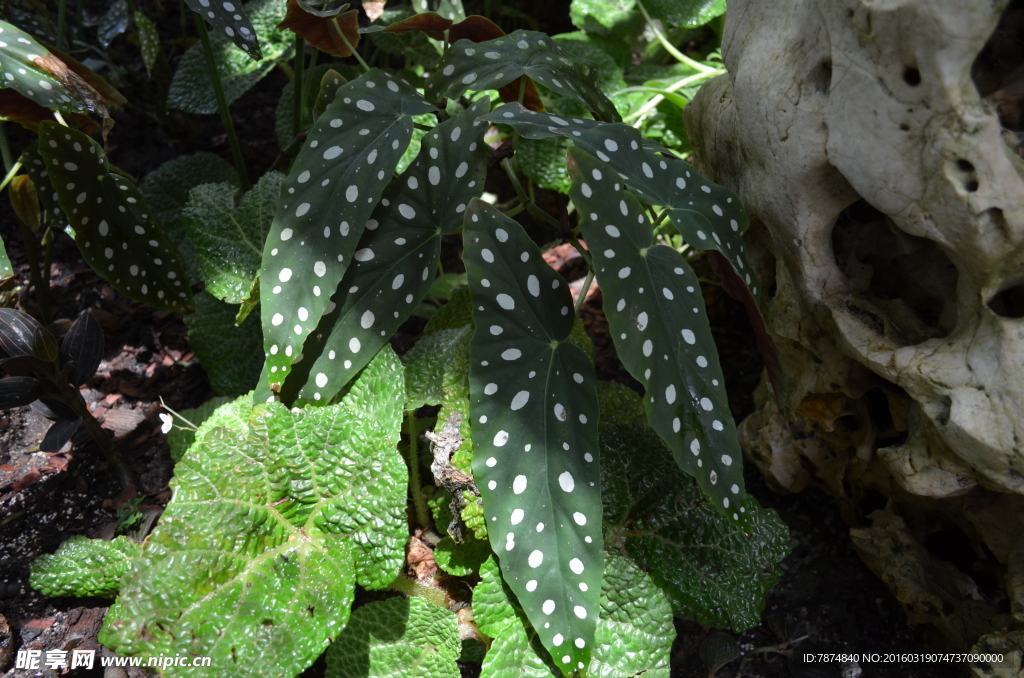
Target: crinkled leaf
point(180, 437)
point(495, 63)
point(707, 215)
point(543, 160)
point(406, 637)
point(600, 15)
point(619, 404)
point(534, 407)
point(710, 569)
point(232, 21)
point(228, 240)
point(688, 13)
point(111, 219)
point(397, 257)
point(191, 90)
point(657, 320)
point(425, 364)
point(82, 344)
point(634, 633)
point(231, 356)
point(149, 41)
point(461, 559)
point(321, 28)
point(254, 562)
point(327, 199)
point(114, 22)
point(84, 567)
point(36, 73)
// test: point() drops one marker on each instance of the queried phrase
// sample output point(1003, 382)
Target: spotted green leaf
point(396, 258)
point(49, 200)
point(229, 241)
point(191, 90)
point(24, 68)
point(273, 521)
point(114, 22)
point(149, 41)
point(111, 219)
point(711, 570)
point(5, 262)
point(495, 63)
point(533, 402)
point(633, 637)
point(84, 567)
point(231, 356)
point(657, 320)
point(231, 20)
point(326, 202)
point(709, 216)
point(166, 190)
point(406, 637)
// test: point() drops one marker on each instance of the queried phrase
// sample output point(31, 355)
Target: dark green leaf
point(28, 366)
point(492, 64)
point(657, 320)
point(231, 356)
point(396, 258)
point(273, 521)
point(18, 392)
point(228, 240)
point(110, 219)
point(534, 407)
point(84, 567)
point(59, 434)
point(406, 637)
point(231, 20)
point(49, 201)
point(414, 45)
point(166, 190)
point(707, 215)
point(191, 90)
point(688, 13)
point(44, 346)
point(17, 329)
point(5, 262)
point(327, 200)
point(83, 344)
point(149, 41)
point(711, 570)
point(114, 22)
point(284, 114)
point(449, 9)
point(600, 16)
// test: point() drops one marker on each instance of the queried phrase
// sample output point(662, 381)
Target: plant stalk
point(415, 489)
point(584, 290)
point(669, 47)
point(5, 149)
point(222, 104)
point(344, 39)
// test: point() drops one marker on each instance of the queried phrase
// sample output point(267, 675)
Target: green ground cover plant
point(581, 515)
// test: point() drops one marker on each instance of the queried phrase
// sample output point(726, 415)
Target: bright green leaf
point(534, 407)
point(84, 567)
point(254, 562)
point(543, 160)
point(232, 21)
point(600, 16)
point(657, 320)
point(327, 201)
point(231, 356)
point(425, 365)
point(191, 90)
point(495, 63)
point(688, 13)
point(111, 219)
point(180, 437)
point(710, 569)
point(396, 257)
point(229, 241)
point(461, 560)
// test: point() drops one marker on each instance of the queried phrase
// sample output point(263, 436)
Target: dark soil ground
point(825, 593)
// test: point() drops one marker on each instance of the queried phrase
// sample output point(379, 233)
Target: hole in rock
point(905, 279)
point(1009, 302)
point(912, 77)
point(963, 172)
point(821, 77)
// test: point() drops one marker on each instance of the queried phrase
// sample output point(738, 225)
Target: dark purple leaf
point(59, 434)
point(17, 392)
point(83, 344)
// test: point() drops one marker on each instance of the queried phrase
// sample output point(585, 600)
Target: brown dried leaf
point(374, 8)
point(323, 29)
point(531, 100)
point(431, 23)
point(475, 28)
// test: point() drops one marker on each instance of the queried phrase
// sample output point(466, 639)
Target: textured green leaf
point(657, 320)
point(710, 569)
point(707, 215)
point(688, 13)
point(534, 409)
point(180, 438)
point(284, 114)
point(406, 637)
point(229, 241)
point(396, 257)
point(461, 560)
point(22, 59)
point(191, 90)
point(111, 218)
point(84, 567)
point(634, 632)
point(425, 366)
point(600, 15)
point(327, 201)
point(231, 20)
point(543, 160)
point(231, 356)
point(254, 562)
point(166, 191)
point(619, 404)
point(495, 63)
